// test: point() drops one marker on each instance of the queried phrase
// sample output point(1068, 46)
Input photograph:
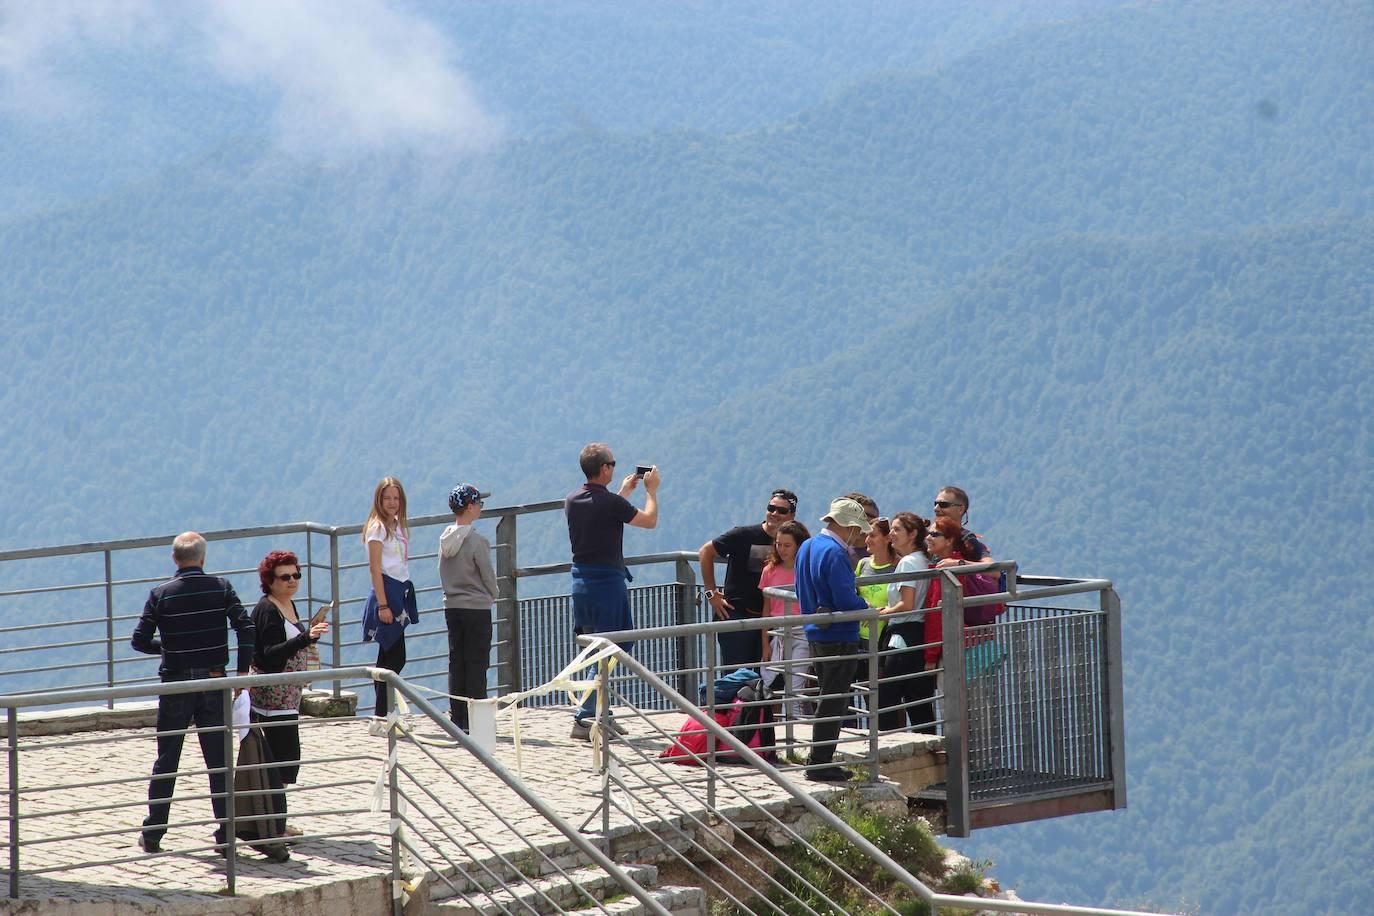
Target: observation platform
point(1029, 709)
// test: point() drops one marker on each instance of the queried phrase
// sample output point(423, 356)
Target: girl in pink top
point(790, 643)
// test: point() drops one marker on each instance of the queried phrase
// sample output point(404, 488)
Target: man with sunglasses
point(191, 614)
point(596, 532)
point(952, 502)
point(745, 549)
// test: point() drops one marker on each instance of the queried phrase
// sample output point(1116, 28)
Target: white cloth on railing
point(241, 715)
point(509, 705)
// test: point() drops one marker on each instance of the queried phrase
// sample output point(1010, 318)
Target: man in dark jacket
point(190, 615)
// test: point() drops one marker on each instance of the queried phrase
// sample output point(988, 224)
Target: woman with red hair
point(282, 644)
point(944, 546)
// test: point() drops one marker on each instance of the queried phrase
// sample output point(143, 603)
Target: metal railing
point(1045, 720)
point(434, 831)
point(428, 821)
point(745, 846)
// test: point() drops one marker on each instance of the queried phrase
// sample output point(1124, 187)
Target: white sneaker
point(377, 727)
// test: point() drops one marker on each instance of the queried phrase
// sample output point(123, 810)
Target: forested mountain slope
point(1190, 418)
point(653, 273)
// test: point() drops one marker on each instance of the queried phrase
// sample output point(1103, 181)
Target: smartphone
point(320, 615)
point(642, 469)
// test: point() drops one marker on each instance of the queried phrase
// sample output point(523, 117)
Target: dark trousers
point(393, 659)
point(833, 677)
point(469, 654)
point(743, 649)
point(283, 737)
point(176, 712)
point(904, 683)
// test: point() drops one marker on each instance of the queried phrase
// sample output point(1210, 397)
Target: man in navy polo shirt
point(186, 623)
point(596, 532)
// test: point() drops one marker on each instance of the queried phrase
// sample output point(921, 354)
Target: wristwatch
point(711, 593)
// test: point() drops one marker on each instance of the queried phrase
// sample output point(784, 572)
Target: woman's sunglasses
point(286, 577)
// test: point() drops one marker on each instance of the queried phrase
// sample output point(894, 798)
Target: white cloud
point(36, 37)
point(357, 73)
point(345, 75)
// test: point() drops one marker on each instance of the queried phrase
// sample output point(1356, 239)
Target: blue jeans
point(175, 712)
point(742, 649)
point(601, 604)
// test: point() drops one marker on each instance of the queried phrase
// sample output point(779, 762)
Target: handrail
point(13, 702)
point(829, 818)
point(228, 534)
point(585, 846)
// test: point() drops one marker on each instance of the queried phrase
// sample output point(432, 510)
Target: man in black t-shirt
point(596, 533)
point(745, 550)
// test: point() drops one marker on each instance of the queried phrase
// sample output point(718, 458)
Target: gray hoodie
point(465, 568)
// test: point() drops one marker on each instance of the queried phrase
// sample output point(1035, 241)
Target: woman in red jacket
point(943, 547)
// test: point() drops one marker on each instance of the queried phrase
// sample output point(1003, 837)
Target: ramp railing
point(433, 806)
point(758, 843)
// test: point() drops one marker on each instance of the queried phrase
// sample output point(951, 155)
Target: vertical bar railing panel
point(109, 627)
point(508, 617)
point(12, 746)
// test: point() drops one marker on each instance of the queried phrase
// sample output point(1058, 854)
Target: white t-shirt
point(395, 551)
point(912, 562)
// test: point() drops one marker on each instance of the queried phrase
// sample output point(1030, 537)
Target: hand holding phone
point(642, 469)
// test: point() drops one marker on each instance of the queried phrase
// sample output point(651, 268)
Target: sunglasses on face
point(286, 577)
point(945, 504)
point(779, 510)
point(936, 534)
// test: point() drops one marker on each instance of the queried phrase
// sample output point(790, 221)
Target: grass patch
point(817, 886)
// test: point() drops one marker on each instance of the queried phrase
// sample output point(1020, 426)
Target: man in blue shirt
point(825, 582)
point(596, 532)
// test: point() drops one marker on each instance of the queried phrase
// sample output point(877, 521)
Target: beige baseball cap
point(847, 513)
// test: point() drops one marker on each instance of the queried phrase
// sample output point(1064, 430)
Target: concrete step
point(678, 900)
point(562, 893)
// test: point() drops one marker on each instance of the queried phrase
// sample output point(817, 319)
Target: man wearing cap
point(825, 582)
point(745, 549)
point(469, 589)
point(596, 533)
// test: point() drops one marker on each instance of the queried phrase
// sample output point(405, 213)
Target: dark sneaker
point(619, 729)
point(581, 730)
point(148, 844)
point(828, 774)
